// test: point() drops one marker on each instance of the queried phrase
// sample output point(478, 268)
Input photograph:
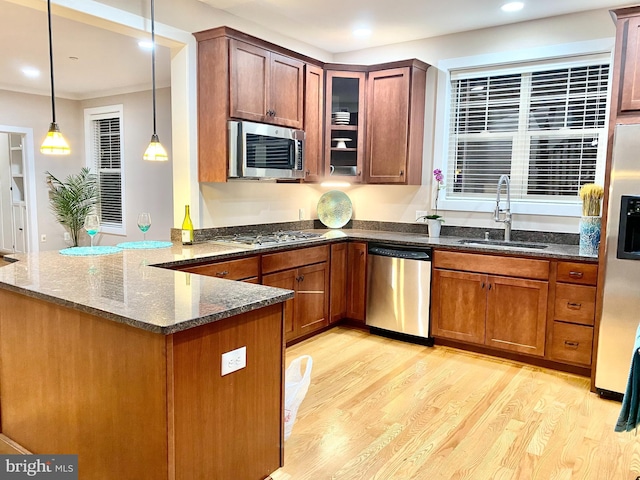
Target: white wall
point(148, 186)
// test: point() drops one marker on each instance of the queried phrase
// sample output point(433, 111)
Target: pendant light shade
point(155, 152)
point(54, 143)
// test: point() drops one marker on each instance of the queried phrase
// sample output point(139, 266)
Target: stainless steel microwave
point(261, 151)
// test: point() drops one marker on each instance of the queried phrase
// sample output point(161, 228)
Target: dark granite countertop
point(128, 286)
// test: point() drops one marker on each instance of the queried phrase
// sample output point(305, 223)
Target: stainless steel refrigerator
point(621, 302)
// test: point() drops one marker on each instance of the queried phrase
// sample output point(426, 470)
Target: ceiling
point(328, 24)
point(107, 62)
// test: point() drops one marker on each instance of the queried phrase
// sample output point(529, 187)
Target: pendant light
point(155, 152)
point(54, 143)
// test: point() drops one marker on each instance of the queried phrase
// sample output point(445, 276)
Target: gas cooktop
point(267, 239)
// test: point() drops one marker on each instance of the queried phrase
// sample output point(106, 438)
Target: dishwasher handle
point(410, 254)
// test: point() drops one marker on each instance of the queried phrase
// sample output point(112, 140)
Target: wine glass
point(92, 225)
point(144, 224)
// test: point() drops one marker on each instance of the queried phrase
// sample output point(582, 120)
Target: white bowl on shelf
point(342, 142)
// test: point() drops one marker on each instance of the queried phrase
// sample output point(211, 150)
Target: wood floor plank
point(387, 410)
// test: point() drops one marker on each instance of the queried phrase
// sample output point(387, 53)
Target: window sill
point(520, 207)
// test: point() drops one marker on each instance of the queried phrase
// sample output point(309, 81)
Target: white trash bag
point(296, 384)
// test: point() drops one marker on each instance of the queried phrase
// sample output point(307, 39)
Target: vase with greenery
point(73, 199)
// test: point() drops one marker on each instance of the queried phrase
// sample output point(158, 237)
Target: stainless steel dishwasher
point(399, 292)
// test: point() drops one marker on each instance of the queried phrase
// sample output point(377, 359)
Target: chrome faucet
point(507, 211)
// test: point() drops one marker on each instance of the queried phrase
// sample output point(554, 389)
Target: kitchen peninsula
point(119, 362)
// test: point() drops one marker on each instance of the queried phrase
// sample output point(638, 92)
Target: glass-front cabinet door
point(344, 141)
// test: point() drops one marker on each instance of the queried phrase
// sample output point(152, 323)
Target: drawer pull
point(222, 273)
point(575, 274)
point(571, 344)
point(574, 306)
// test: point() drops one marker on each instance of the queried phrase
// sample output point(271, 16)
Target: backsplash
point(204, 234)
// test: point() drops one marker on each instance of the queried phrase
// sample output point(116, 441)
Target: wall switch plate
point(233, 361)
point(43, 237)
point(67, 237)
point(301, 214)
point(421, 213)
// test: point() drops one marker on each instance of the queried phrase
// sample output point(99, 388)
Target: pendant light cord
point(53, 97)
point(153, 65)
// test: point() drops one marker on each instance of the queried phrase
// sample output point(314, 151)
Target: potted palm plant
point(73, 199)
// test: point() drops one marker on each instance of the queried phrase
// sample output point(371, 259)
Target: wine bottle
point(187, 228)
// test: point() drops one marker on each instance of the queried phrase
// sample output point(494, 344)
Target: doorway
point(18, 220)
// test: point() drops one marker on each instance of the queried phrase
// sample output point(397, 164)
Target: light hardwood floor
point(383, 409)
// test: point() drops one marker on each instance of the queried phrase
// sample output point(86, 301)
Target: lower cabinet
point(498, 311)
point(356, 281)
point(308, 311)
point(348, 281)
point(571, 332)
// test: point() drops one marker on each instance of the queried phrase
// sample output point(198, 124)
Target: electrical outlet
point(421, 213)
point(67, 237)
point(43, 237)
point(233, 361)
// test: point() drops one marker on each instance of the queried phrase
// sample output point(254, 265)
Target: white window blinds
point(541, 127)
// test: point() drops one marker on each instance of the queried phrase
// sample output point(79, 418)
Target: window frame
point(100, 113)
point(526, 60)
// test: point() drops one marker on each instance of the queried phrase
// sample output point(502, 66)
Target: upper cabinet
point(375, 122)
point(630, 68)
point(345, 128)
point(395, 124)
point(313, 123)
point(364, 124)
point(265, 86)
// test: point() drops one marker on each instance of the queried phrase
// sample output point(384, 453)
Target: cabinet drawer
point(492, 264)
point(231, 270)
point(274, 262)
point(582, 273)
point(575, 303)
point(571, 343)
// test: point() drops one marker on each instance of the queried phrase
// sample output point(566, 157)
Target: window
point(543, 125)
point(103, 131)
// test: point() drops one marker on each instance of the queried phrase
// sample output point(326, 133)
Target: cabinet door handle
point(575, 274)
point(574, 306)
point(300, 278)
point(222, 273)
point(307, 172)
point(489, 286)
point(571, 344)
point(482, 285)
point(401, 172)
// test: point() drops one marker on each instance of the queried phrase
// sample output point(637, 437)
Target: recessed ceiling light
point(31, 72)
point(145, 44)
point(512, 6)
point(361, 32)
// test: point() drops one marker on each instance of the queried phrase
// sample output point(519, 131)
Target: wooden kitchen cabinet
point(244, 269)
point(265, 86)
point(630, 67)
point(458, 305)
point(344, 139)
point(338, 289)
point(395, 124)
point(472, 302)
point(313, 123)
point(356, 281)
point(306, 272)
point(571, 332)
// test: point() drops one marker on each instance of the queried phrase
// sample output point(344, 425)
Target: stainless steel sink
point(501, 243)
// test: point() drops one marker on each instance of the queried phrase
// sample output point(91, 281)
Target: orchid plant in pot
point(434, 220)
